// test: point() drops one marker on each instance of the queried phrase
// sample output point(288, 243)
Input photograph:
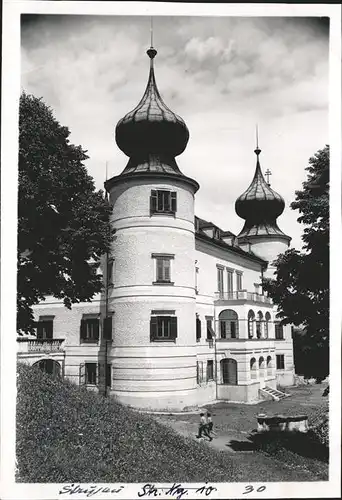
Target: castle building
point(183, 320)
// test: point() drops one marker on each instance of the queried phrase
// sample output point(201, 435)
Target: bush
point(67, 434)
point(320, 426)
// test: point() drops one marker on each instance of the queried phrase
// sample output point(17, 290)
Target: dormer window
point(217, 233)
point(163, 202)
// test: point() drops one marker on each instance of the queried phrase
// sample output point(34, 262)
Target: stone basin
point(297, 423)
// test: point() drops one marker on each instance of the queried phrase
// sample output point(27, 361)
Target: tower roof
point(151, 134)
point(259, 202)
point(260, 206)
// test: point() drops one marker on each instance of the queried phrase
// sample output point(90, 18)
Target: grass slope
point(66, 434)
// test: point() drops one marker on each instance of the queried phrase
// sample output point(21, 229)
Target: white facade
point(170, 374)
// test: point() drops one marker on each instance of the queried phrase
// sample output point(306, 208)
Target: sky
point(222, 75)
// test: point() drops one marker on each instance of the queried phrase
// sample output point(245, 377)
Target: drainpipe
point(106, 310)
point(215, 355)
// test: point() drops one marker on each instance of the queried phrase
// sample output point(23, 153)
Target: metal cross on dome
point(267, 175)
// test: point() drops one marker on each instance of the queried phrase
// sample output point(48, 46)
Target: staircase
point(274, 393)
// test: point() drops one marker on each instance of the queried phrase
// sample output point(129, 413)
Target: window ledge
point(168, 214)
point(94, 342)
point(164, 340)
point(163, 283)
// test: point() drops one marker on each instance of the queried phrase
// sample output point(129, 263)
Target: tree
point(63, 222)
point(301, 284)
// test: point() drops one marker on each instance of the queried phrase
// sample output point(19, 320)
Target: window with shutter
point(163, 202)
point(239, 281)
point(153, 328)
point(163, 328)
point(220, 281)
point(198, 329)
point(174, 202)
point(173, 321)
point(82, 374)
point(210, 369)
point(199, 372)
point(153, 201)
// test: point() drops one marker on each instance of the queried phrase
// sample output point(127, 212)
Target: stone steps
point(274, 393)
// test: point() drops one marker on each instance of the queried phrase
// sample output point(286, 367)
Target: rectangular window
point(90, 330)
point(280, 362)
point(91, 373)
point(230, 285)
point(163, 328)
point(210, 369)
point(279, 332)
point(164, 202)
point(198, 329)
point(238, 281)
point(107, 328)
point(44, 328)
point(210, 331)
point(220, 281)
point(163, 268)
point(199, 372)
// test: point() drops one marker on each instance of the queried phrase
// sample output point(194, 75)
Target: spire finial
point(151, 51)
point(257, 151)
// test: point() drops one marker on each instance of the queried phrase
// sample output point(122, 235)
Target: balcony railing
point(40, 345)
point(243, 295)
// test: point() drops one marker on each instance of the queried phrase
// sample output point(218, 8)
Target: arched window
point(261, 366)
point(260, 318)
point(269, 365)
point(267, 324)
point(251, 319)
point(49, 366)
point(253, 367)
point(229, 371)
point(229, 324)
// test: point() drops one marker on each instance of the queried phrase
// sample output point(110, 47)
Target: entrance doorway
point(229, 371)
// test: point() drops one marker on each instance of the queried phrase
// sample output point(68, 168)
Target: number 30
point(250, 488)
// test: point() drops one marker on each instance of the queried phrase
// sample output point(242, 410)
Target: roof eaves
point(232, 248)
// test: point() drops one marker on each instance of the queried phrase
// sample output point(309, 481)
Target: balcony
point(39, 345)
point(242, 296)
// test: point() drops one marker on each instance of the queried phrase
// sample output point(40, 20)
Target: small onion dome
point(259, 203)
point(151, 127)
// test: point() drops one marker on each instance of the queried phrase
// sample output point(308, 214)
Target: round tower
point(260, 206)
point(153, 294)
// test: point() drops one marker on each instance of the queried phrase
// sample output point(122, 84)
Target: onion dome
point(151, 135)
point(260, 206)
